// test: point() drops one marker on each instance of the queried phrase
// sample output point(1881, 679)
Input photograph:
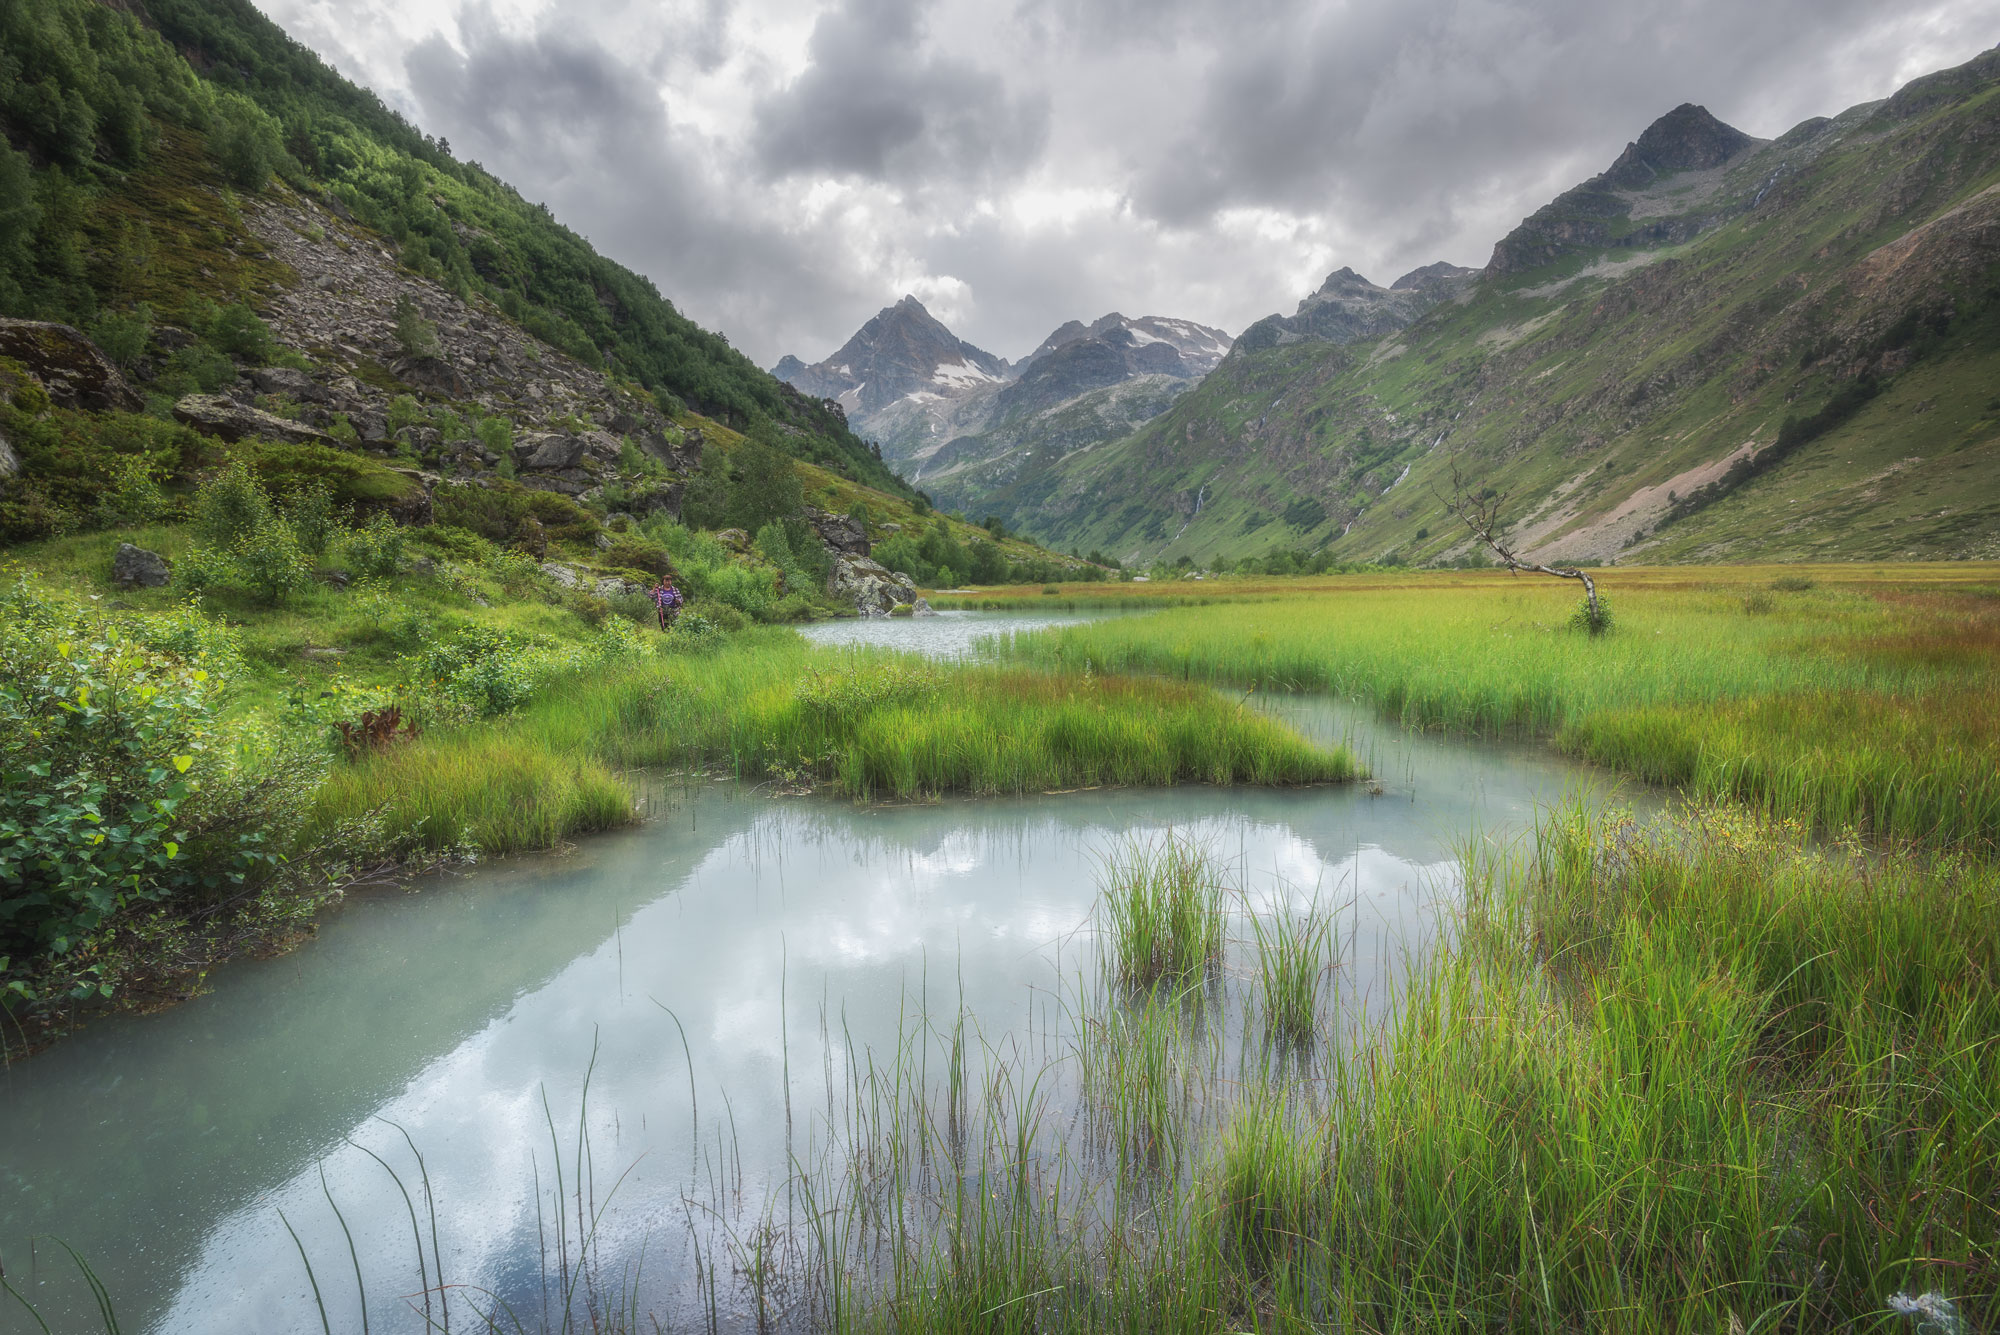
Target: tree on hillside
point(1480, 513)
point(765, 488)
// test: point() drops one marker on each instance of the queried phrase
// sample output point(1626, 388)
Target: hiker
point(667, 601)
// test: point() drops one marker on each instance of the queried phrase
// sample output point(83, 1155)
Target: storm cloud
point(784, 168)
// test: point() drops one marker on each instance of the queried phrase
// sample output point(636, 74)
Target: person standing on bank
point(667, 601)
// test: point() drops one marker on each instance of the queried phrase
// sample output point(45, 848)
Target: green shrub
point(196, 368)
point(376, 549)
point(311, 514)
point(415, 336)
point(237, 331)
point(229, 507)
point(109, 767)
point(483, 670)
point(637, 554)
point(1592, 620)
point(133, 494)
point(124, 337)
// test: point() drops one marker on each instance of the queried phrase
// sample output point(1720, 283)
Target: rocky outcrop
point(1348, 308)
point(872, 587)
point(214, 415)
point(840, 534)
point(10, 462)
point(68, 365)
point(136, 568)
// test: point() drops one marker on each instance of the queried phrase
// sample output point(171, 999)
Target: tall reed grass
point(868, 724)
point(1857, 705)
point(1696, 1077)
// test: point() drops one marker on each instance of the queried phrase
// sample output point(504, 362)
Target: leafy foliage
point(110, 755)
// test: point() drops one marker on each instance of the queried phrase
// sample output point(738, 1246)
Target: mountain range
point(1719, 348)
point(970, 427)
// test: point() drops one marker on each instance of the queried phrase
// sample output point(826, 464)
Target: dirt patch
point(1605, 538)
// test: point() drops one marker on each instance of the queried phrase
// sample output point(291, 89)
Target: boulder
point(68, 365)
point(135, 568)
point(872, 587)
point(435, 374)
point(735, 539)
point(923, 608)
point(839, 533)
point(10, 462)
point(612, 587)
point(293, 384)
point(567, 577)
point(548, 451)
point(603, 445)
point(213, 415)
point(416, 504)
point(371, 424)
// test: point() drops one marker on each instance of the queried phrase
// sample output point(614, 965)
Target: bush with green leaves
point(244, 542)
point(376, 549)
point(310, 510)
point(415, 336)
point(482, 670)
point(110, 756)
point(1592, 619)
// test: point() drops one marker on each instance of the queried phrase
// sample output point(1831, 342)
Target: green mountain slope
point(1721, 348)
point(134, 138)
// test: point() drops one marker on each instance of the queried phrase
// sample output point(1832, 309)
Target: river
point(717, 973)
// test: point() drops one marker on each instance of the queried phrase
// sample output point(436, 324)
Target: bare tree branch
point(1481, 515)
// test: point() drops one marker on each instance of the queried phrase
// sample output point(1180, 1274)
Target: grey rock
point(435, 374)
point(135, 568)
point(603, 541)
point(336, 579)
point(10, 462)
point(838, 532)
point(284, 380)
point(603, 445)
point(568, 577)
point(922, 608)
point(548, 451)
point(372, 426)
point(68, 365)
point(610, 587)
point(213, 415)
point(872, 587)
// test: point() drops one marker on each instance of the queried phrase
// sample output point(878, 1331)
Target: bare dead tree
point(1481, 514)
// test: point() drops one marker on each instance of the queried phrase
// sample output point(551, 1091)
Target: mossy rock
point(903, 610)
point(355, 480)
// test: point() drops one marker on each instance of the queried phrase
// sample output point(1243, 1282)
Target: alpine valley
point(1719, 348)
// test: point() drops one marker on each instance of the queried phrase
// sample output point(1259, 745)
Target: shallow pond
point(719, 975)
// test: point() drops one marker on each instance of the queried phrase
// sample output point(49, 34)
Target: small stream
point(716, 973)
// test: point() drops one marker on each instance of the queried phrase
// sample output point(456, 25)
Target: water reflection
point(722, 962)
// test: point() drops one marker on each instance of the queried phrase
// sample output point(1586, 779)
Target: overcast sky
point(785, 168)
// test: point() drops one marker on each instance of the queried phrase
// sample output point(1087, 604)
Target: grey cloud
point(565, 121)
point(876, 103)
point(1417, 110)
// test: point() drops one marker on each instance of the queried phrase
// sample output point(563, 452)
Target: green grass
point(1163, 909)
point(1294, 951)
point(1694, 1077)
point(1861, 702)
point(768, 706)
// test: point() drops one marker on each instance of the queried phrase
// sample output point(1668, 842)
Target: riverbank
point(1849, 697)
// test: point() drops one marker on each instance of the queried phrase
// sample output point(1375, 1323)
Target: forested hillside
point(115, 123)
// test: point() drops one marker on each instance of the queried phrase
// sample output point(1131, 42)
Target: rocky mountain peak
point(903, 351)
point(1687, 138)
point(1439, 279)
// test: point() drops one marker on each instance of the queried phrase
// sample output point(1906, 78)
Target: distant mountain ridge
point(1348, 307)
point(1718, 348)
point(914, 387)
point(903, 350)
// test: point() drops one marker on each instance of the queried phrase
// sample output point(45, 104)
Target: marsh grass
point(1294, 952)
point(1164, 913)
point(768, 707)
point(1853, 702)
